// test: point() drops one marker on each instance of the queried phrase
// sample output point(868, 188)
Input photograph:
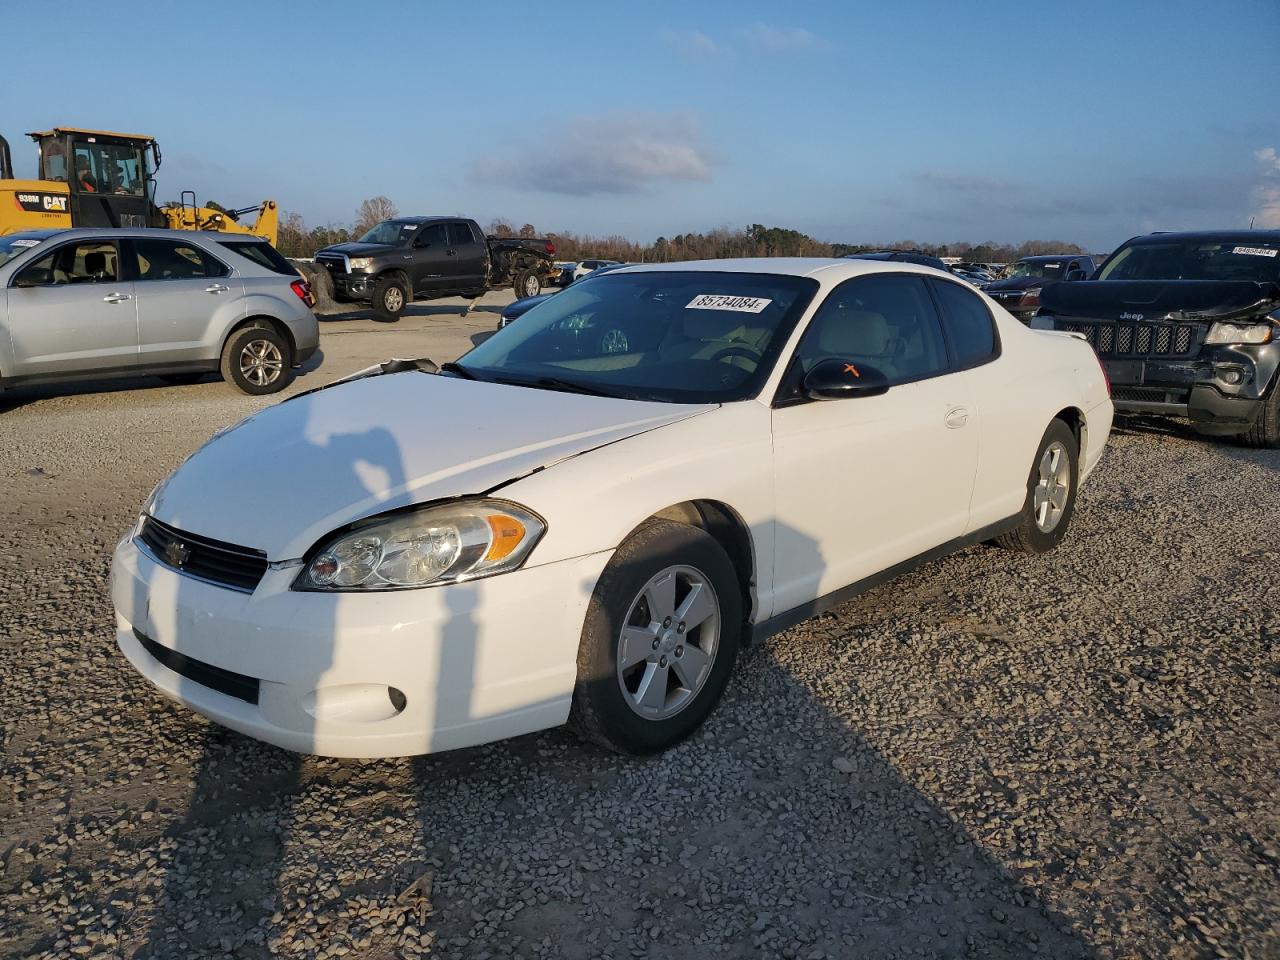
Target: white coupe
point(590, 514)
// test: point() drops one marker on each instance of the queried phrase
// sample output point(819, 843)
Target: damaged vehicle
point(558, 529)
point(1187, 325)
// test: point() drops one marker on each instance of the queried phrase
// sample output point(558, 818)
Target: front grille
point(206, 674)
point(1112, 339)
point(224, 564)
point(334, 262)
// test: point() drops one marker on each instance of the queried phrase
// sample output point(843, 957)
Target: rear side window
point(432, 235)
point(460, 233)
point(261, 253)
point(175, 260)
point(968, 323)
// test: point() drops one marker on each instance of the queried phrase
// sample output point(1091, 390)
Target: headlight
point(1030, 297)
point(361, 263)
point(425, 547)
point(1240, 333)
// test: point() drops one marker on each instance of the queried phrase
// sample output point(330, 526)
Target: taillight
point(303, 290)
point(551, 247)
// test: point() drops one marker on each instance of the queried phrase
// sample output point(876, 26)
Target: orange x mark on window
point(850, 368)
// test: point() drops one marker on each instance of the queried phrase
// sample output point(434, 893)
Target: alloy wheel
point(668, 642)
point(260, 362)
point(1053, 487)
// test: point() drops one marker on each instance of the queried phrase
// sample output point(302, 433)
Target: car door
point(180, 288)
point(73, 311)
point(431, 265)
point(469, 254)
point(864, 483)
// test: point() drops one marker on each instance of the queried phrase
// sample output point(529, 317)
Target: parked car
point(518, 308)
point(1188, 325)
point(1019, 290)
point(588, 266)
point(90, 303)
point(418, 258)
point(547, 530)
point(902, 256)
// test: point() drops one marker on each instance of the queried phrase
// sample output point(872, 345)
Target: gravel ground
point(1072, 755)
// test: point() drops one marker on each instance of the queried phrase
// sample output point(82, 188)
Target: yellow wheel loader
point(95, 178)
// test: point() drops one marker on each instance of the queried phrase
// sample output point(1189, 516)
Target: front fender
point(592, 501)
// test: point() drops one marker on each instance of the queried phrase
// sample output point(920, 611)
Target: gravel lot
point(1072, 755)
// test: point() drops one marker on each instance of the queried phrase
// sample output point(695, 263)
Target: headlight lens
point(1030, 297)
point(427, 547)
point(1239, 333)
point(361, 263)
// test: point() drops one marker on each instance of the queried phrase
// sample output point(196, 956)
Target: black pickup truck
point(418, 258)
point(1186, 325)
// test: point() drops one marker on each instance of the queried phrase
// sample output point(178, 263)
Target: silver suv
point(90, 303)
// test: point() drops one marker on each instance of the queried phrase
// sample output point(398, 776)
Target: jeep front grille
point(1119, 339)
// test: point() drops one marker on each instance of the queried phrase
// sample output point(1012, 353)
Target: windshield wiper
point(459, 369)
point(555, 383)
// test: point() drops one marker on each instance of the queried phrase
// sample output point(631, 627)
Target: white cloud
point(764, 36)
point(613, 154)
point(1268, 157)
point(691, 43)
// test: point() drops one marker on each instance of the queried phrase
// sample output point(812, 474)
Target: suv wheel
point(257, 360)
point(1051, 494)
point(527, 284)
point(390, 296)
point(1265, 431)
point(659, 641)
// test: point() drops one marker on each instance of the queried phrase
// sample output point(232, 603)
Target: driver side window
point(92, 261)
point(886, 322)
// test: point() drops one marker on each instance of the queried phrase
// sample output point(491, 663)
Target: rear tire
point(527, 283)
point(646, 680)
point(390, 297)
point(1265, 432)
point(1046, 514)
point(257, 361)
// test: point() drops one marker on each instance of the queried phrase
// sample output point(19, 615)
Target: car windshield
point(389, 232)
point(1195, 260)
point(673, 336)
point(1047, 269)
point(11, 247)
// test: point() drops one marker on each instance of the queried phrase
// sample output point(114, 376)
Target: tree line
point(296, 239)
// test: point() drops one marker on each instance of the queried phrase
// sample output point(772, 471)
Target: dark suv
point(1018, 291)
point(1187, 325)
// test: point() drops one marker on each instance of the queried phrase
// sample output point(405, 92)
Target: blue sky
point(860, 122)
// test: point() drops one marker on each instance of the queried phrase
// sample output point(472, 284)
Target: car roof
point(1208, 236)
point(44, 234)
point(832, 269)
point(416, 219)
point(1042, 257)
point(135, 232)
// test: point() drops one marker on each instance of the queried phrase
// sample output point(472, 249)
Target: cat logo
point(42, 202)
point(55, 203)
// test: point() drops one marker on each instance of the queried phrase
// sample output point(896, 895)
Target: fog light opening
point(1232, 376)
point(397, 699)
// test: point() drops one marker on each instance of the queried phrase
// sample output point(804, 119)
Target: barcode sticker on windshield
point(26, 243)
point(1255, 251)
point(723, 301)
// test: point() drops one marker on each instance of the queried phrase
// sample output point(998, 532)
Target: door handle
point(216, 288)
point(117, 297)
point(956, 418)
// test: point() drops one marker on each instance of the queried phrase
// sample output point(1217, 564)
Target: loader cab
point(110, 176)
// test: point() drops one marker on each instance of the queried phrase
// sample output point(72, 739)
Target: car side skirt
point(789, 618)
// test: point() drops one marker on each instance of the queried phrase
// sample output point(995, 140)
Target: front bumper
point(1221, 391)
point(355, 286)
point(468, 663)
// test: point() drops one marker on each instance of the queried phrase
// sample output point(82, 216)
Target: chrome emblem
point(176, 553)
point(1132, 316)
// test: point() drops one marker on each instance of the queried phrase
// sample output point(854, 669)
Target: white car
point(552, 531)
point(585, 267)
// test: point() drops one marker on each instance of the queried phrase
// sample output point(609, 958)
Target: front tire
point(1265, 432)
point(527, 284)
point(1051, 494)
point(257, 360)
point(390, 297)
point(660, 640)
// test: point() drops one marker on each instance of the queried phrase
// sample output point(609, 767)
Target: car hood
point(355, 249)
point(1197, 300)
point(1017, 283)
point(293, 473)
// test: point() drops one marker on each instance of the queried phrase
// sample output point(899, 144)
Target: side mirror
point(1076, 274)
point(34, 277)
point(843, 379)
